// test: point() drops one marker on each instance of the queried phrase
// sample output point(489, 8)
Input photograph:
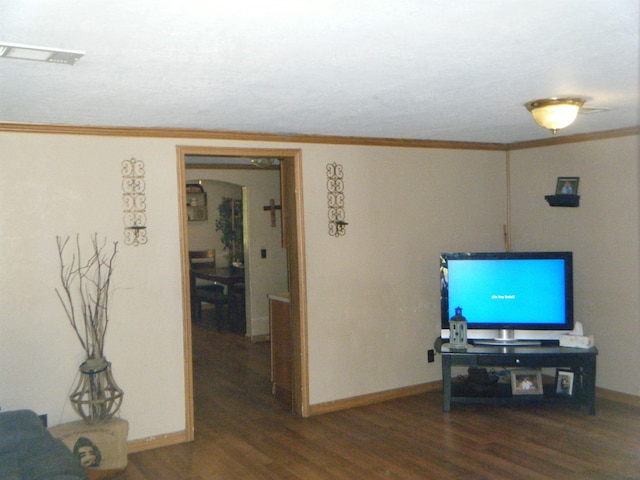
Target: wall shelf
point(563, 200)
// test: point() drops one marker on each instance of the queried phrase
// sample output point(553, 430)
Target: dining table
point(228, 276)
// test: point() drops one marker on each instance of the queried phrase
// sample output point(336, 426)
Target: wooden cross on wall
point(272, 207)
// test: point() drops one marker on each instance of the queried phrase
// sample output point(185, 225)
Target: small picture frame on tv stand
point(526, 382)
point(565, 382)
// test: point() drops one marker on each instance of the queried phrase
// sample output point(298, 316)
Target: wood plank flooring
point(242, 433)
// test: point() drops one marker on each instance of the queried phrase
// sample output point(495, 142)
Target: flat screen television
point(507, 297)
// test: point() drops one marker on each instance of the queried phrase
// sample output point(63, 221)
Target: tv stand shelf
point(582, 360)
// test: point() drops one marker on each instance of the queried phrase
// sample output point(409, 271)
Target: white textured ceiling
point(427, 69)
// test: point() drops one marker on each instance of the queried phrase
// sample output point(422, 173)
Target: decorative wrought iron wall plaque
point(335, 197)
point(134, 202)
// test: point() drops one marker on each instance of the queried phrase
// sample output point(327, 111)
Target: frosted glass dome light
point(555, 113)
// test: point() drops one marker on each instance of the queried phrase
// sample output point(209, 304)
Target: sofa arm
point(34, 453)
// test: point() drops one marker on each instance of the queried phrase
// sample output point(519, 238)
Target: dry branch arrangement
point(85, 291)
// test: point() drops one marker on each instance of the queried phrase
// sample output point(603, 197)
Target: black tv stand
point(580, 360)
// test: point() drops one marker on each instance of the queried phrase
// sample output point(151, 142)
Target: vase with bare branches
point(86, 286)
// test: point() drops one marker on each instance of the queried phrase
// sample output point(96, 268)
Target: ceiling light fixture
point(263, 162)
point(40, 54)
point(555, 113)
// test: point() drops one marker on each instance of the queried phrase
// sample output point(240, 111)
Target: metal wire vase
point(96, 397)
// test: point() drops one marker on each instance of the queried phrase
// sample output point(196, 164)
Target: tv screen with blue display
point(509, 290)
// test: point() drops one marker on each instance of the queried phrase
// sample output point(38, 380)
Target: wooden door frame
point(292, 216)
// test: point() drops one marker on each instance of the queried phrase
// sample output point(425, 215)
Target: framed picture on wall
point(567, 185)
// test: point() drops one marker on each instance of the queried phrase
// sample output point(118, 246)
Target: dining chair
point(203, 291)
point(237, 309)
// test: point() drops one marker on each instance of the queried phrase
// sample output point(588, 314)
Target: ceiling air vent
point(39, 54)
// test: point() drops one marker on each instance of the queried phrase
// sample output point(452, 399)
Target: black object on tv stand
point(582, 360)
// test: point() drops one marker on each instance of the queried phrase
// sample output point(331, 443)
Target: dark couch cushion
point(48, 460)
point(17, 426)
point(29, 452)
point(9, 469)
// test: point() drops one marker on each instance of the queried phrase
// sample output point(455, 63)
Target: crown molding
point(244, 136)
point(577, 138)
point(317, 139)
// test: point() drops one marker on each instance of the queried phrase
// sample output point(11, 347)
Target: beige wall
point(373, 306)
point(603, 234)
point(373, 294)
point(63, 185)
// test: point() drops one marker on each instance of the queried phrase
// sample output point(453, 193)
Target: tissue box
point(577, 341)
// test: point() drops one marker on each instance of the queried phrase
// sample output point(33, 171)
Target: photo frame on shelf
point(567, 185)
point(526, 382)
point(565, 382)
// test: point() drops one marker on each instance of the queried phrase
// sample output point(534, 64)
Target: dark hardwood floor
point(242, 433)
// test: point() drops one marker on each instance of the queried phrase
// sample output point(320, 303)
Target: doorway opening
point(217, 227)
point(293, 242)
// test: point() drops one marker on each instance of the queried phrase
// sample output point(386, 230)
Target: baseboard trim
point(370, 398)
point(150, 443)
point(359, 401)
point(624, 398)
point(260, 338)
